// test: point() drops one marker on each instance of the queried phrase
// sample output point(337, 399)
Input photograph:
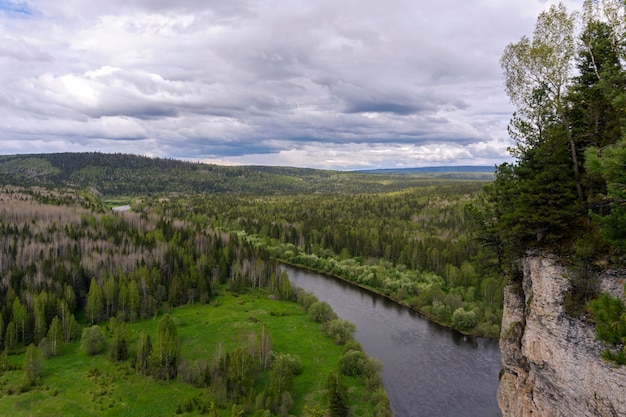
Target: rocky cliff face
point(551, 362)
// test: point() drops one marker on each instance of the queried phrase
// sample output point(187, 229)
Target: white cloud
point(326, 84)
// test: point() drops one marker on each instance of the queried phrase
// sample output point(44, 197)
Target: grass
point(71, 387)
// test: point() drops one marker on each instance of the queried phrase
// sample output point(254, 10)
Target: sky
point(331, 84)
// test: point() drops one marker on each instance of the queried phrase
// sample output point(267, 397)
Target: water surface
point(429, 370)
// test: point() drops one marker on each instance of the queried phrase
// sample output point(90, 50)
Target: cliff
point(551, 361)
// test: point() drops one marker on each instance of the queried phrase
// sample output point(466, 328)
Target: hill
point(122, 174)
point(444, 169)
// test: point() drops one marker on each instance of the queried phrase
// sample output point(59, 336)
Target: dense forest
point(69, 265)
point(410, 241)
point(565, 192)
point(132, 175)
point(444, 245)
point(411, 245)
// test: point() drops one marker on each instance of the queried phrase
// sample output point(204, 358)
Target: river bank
point(428, 316)
point(425, 365)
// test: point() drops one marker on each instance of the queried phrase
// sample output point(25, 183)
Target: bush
point(306, 299)
point(33, 367)
point(339, 330)
point(321, 312)
point(609, 314)
point(464, 320)
point(93, 340)
point(353, 363)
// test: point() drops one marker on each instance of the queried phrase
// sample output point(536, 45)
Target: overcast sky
point(338, 84)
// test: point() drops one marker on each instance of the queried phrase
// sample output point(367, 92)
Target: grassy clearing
point(74, 384)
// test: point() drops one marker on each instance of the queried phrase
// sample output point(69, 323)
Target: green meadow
point(75, 384)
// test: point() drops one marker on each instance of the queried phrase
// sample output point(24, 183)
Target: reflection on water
point(429, 370)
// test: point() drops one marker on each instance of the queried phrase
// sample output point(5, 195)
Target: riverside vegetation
point(77, 276)
point(142, 314)
point(403, 235)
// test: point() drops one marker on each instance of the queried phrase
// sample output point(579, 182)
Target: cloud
point(326, 84)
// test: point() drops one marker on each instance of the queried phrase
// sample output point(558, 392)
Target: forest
point(133, 175)
point(412, 245)
point(79, 280)
point(565, 192)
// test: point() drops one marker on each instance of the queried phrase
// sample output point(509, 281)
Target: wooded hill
point(132, 175)
point(410, 242)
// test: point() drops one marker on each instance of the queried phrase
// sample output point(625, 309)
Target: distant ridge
point(460, 168)
point(134, 175)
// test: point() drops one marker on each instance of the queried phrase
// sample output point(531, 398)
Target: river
point(429, 370)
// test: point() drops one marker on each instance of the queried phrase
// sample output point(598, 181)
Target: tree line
point(66, 269)
point(412, 245)
point(115, 175)
point(565, 191)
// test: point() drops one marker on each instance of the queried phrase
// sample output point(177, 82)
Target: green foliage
point(10, 338)
point(609, 315)
point(119, 342)
point(353, 363)
point(166, 349)
point(464, 320)
point(33, 366)
point(284, 368)
point(568, 129)
point(321, 312)
point(55, 336)
point(94, 302)
point(337, 396)
point(610, 164)
point(121, 267)
point(144, 352)
point(92, 340)
point(132, 175)
point(618, 357)
point(341, 331)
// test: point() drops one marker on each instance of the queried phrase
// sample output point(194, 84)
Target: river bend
point(429, 370)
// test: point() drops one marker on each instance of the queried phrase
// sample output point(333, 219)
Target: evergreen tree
point(544, 198)
point(610, 164)
point(337, 396)
point(119, 343)
point(94, 302)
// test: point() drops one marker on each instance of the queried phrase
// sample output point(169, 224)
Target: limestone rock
point(551, 361)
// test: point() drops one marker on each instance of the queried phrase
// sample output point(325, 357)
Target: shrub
point(339, 330)
point(306, 299)
point(93, 340)
point(464, 320)
point(609, 314)
point(321, 312)
point(353, 363)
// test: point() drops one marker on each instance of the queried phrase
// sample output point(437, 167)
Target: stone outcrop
point(551, 361)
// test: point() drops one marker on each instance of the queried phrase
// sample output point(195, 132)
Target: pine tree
point(94, 302)
point(337, 396)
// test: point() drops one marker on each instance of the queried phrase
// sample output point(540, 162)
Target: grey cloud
point(22, 51)
point(263, 80)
